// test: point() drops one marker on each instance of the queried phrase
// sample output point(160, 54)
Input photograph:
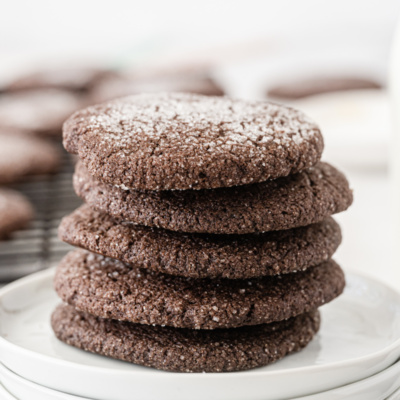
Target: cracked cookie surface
point(290, 202)
point(110, 289)
point(185, 350)
point(184, 141)
point(201, 255)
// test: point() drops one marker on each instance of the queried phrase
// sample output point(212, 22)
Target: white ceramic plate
point(23, 389)
point(376, 387)
point(395, 395)
point(5, 394)
point(360, 337)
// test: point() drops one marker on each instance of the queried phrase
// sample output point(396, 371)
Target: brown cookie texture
point(108, 288)
point(201, 255)
point(310, 87)
point(285, 203)
point(184, 141)
point(185, 350)
point(78, 79)
point(37, 111)
point(15, 212)
point(22, 155)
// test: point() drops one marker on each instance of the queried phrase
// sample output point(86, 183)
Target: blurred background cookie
point(292, 90)
point(23, 156)
point(15, 212)
point(38, 111)
point(73, 79)
point(188, 82)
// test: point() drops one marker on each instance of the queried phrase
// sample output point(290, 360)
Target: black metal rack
point(38, 246)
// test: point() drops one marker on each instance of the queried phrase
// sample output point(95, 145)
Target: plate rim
point(5, 392)
point(49, 273)
point(4, 370)
point(378, 376)
point(6, 373)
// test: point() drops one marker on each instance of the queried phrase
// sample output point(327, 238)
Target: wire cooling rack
point(38, 246)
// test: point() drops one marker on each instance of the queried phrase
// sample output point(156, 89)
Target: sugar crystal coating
point(289, 202)
point(185, 350)
point(201, 255)
point(108, 288)
point(185, 141)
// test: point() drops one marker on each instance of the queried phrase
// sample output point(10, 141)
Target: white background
point(293, 34)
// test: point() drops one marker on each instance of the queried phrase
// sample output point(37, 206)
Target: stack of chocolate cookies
point(206, 237)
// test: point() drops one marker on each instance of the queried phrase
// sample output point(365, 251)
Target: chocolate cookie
point(185, 350)
point(15, 212)
point(38, 111)
point(184, 141)
point(110, 289)
point(201, 255)
point(285, 203)
point(74, 79)
point(116, 87)
point(22, 155)
point(310, 87)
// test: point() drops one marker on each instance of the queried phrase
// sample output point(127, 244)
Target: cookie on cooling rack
point(15, 212)
point(22, 156)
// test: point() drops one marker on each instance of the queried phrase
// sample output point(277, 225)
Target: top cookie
point(185, 141)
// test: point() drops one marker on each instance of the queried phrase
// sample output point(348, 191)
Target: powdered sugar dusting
point(190, 119)
point(183, 141)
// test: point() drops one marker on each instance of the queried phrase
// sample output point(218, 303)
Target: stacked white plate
point(353, 357)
